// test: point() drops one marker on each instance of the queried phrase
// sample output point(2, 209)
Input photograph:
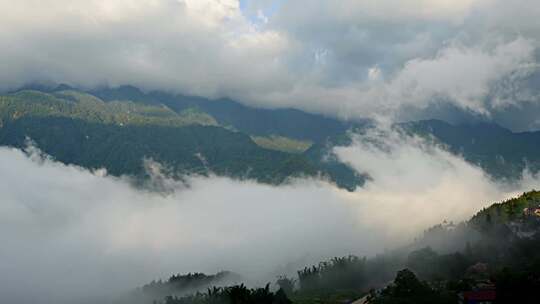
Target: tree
point(286, 284)
point(407, 289)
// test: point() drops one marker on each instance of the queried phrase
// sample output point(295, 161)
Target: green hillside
point(501, 153)
point(290, 123)
point(78, 105)
point(509, 210)
point(79, 128)
point(280, 143)
point(291, 142)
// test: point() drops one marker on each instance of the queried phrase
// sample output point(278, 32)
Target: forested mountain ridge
point(79, 105)
point(267, 145)
point(503, 154)
point(79, 128)
point(291, 123)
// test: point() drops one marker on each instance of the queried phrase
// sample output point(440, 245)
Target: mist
point(69, 235)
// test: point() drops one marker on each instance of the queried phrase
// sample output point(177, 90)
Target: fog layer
point(69, 234)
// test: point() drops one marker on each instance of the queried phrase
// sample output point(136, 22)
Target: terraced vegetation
point(78, 105)
point(280, 143)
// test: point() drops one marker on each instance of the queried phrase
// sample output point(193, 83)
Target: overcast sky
point(347, 58)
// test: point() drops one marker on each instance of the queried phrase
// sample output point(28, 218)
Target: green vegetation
point(238, 294)
point(179, 284)
point(500, 152)
point(346, 273)
point(290, 123)
point(78, 105)
point(306, 140)
point(507, 211)
point(502, 255)
point(280, 143)
point(183, 150)
point(118, 135)
point(408, 289)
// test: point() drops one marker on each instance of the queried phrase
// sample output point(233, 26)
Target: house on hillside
point(532, 211)
point(482, 293)
point(477, 296)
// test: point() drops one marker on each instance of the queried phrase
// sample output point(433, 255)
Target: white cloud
point(313, 55)
point(463, 75)
point(67, 233)
point(416, 184)
point(189, 46)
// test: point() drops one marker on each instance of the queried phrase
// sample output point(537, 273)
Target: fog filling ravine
point(98, 235)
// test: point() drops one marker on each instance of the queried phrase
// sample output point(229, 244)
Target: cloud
point(418, 181)
point(464, 75)
point(69, 234)
point(190, 46)
point(475, 79)
point(318, 56)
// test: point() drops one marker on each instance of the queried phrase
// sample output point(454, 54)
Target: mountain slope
point(290, 123)
point(78, 105)
point(79, 128)
point(500, 152)
point(291, 142)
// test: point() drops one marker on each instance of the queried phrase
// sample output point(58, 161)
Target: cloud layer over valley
point(68, 233)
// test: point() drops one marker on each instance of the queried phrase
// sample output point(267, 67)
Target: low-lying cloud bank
point(68, 234)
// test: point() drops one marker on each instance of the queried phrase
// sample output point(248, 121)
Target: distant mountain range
point(501, 153)
point(116, 128)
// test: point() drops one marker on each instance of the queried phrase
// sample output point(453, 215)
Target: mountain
point(79, 128)
point(291, 123)
point(116, 128)
point(519, 214)
point(503, 154)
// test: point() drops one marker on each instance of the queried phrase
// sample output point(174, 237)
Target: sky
point(382, 59)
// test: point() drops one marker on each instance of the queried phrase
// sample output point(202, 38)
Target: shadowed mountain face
point(500, 152)
point(290, 123)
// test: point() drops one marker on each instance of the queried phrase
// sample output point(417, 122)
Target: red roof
point(479, 295)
